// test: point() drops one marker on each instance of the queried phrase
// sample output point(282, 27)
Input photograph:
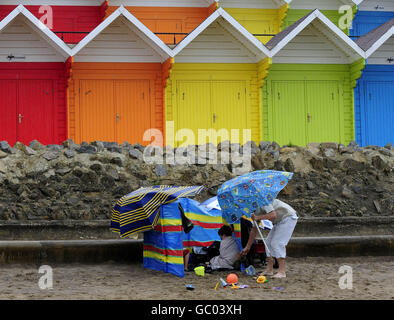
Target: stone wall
point(82, 182)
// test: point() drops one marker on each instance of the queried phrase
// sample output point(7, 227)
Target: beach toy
point(200, 271)
point(243, 286)
point(250, 271)
point(261, 279)
point(278, 288)
point(216, 286)
point(189, 287)
point(232, 278)
point(224, 283)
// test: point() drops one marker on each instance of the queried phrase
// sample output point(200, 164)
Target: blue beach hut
point(374, 93)
point(370, 15)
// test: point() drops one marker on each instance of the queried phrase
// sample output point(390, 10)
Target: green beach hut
point(335, 10)
point(308, 93)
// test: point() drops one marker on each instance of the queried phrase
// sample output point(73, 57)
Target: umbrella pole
point(262, 238)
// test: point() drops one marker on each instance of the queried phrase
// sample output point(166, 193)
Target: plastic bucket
point(200, 271)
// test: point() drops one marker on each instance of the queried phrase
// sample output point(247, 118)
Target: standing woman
point(284, 218)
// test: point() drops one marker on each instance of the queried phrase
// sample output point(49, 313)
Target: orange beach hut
point(171, 20)
point(117, 79)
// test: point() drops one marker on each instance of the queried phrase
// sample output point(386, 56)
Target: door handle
point(20, 118)
point(214, 117)
point(117, 117)
point(309, 117)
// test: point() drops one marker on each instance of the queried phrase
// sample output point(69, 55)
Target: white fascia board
point(246, 35)
point(331, 26)
point(40, 28)
point(148, 36)
point(338, 32)
point(379, 42)
point(292, 34)
point(144, 32)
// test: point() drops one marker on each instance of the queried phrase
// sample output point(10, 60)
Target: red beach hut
point(32, 80)
point(71, 20)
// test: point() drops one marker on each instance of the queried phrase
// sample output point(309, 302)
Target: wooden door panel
point(36, 110)
point(8, 111)
point(133, 107)
point(97, 115)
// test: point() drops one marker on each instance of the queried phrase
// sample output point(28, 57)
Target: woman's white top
point(282, 209)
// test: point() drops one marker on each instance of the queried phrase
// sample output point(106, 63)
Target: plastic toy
point(261, 279)
point(200, 271)
point(224, 283)
point(189, 287)
point(250, 271)
point(232, 278)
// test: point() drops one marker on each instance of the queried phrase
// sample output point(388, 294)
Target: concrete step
point(99, 229)
point(130, 251)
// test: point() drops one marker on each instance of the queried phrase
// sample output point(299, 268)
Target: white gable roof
point(243, 39)
point(38, 30)
point(324, 26)
point(379, 44)
point(134, 26)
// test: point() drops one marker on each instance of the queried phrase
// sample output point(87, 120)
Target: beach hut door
point(322, 115)
point(36, 111)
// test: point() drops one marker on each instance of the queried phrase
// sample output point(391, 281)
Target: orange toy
point(232, 278)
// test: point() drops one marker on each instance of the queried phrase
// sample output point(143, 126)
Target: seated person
point(200, 255)
point(229, 250)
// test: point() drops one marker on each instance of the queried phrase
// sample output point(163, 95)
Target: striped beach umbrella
point(139, 211)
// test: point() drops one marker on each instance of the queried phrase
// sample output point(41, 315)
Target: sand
point(308, 278)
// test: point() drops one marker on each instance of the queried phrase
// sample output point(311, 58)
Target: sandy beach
point(308, 279)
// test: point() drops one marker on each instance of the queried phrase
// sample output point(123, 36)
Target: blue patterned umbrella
point(245, 194)
point(138, 211)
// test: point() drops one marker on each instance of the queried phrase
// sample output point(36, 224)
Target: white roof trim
point(140, 29)
point(327, 22)
point(51, 38)
point(246, 35)
point(379, 42)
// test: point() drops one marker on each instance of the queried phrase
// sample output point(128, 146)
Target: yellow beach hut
point(262, 18)
point(213, 85)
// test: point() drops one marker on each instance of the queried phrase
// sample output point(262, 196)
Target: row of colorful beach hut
point(129, 66)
